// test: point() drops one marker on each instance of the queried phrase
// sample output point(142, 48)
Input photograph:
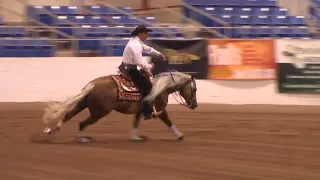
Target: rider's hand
point(163, 57)
point(152, 66)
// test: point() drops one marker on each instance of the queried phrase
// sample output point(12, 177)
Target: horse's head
point(189, 92)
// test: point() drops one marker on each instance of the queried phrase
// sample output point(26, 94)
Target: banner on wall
point(183, 55)
point(298, 65)
point(241, 59)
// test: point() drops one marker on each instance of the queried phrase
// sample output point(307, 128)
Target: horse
point(117, 92)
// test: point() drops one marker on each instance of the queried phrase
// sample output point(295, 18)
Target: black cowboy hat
point(139, 29)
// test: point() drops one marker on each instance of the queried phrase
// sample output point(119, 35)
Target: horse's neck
point(173, 89)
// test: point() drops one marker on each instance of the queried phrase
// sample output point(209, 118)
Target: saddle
point(127, 90)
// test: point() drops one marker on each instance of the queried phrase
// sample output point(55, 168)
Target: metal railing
point(76, 40)
point(211, 17)
point(183, 19)
point(130, 15)
point(111, 33)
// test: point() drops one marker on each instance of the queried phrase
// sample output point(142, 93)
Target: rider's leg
point(145, 86)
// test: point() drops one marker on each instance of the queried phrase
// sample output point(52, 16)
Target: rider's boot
point(148, 110)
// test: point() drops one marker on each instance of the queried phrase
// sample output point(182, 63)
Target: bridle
point(177, 93)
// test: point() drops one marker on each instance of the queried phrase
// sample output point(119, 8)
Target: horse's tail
point(57, 109)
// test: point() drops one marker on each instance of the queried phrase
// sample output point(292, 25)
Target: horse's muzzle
point(192, 106)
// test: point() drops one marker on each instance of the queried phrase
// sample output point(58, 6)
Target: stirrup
point(156, 113)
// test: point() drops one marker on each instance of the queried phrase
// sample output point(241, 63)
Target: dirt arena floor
point(221, 142)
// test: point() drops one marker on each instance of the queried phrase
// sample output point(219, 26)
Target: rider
point(132, 57)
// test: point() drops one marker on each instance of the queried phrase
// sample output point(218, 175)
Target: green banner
point(298, 65)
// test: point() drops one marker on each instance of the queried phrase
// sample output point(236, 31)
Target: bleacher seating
point(26, 48)
point(68, 17)
point(112, 47)
point(91, 23)
point(314, 12)
point(107, 31)
point(12, 32)
point(250, 18)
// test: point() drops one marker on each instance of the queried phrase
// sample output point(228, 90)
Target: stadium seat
point(229, 10)
point(242, 20)
point(155, 33)
point(125, 21)
point(71, 10)
point(97, 10)
point(63, 21)
point(1, 21)
point(79, 20)
point(95, 20)
point(101, 31)
point(300, 31)
point(63, 10)
point(296, 20)
point(89, 36)
point(260, 3)
point(262, 32)
point(261, 20)
point(39, 14)
point(81, 32)
point(57, 10)
point(279, 20)
point(86, 36)
point(226, 18)
point(38, 48)
point(316, 2)
point(106, 11)
point(242, 32)
point(265, 11)
point(26, 48)
point(282, 31)
point(12, 32)
point(118, 31)
point(126, 9)
point(212, 10)
point(279, 11)
point(113, 47)
point(150, 19)
point(246, 11)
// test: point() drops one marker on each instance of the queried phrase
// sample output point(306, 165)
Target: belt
point(129, 66)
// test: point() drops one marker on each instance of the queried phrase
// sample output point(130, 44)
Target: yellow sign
point(175, 57)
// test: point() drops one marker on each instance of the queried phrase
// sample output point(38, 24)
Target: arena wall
point(43, 79)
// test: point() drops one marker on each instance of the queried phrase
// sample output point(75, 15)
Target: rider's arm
point(150, 50)
point(137, 56)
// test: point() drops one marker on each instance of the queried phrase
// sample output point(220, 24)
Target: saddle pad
point(127, 91)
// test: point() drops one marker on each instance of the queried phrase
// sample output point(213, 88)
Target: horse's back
point(102, 78)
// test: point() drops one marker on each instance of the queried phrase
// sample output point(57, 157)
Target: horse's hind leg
point(93, 118)
point(69, 115)
point(90, 120)
point(165, 118)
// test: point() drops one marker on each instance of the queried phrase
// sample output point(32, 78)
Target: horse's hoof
point(84, 139)
point(181, 138)
point(139, 138)
point(48, 131)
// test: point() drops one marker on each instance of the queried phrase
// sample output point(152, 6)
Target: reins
point(183, 103)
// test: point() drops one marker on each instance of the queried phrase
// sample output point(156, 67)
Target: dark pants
point(144, 85)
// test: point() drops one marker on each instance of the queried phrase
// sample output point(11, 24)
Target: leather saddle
point(123, 71)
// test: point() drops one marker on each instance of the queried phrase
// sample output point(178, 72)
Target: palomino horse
point(116, 92)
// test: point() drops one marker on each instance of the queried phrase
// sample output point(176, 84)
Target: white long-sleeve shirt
point(132, 53)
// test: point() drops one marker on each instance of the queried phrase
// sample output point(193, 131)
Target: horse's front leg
point(165, 118)
point(135, 135)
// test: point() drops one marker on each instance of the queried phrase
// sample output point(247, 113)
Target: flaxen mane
point(165, 81)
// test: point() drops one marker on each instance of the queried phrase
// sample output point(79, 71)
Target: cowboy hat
point(139, 29)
